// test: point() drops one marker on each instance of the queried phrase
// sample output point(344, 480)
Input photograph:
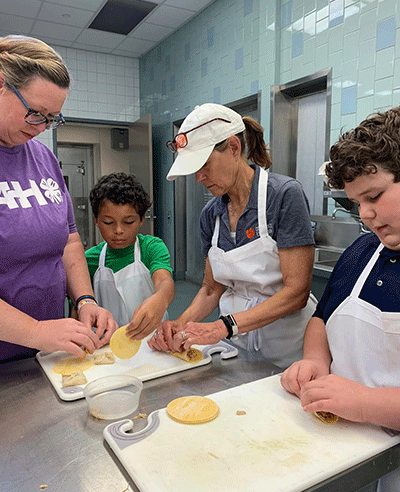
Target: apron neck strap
point(262, 203)
point(102, 257)
point(262, 209)
point(137, 250)
point(364, 274)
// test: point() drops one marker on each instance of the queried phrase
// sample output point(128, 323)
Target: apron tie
point(254, 339)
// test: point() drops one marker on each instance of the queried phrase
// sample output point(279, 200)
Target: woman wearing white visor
point(257, 238)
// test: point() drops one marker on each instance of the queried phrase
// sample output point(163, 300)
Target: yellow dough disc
point(73, 364)
point(192, 355)
point(122, 346)
point(192, 410)
point(327, 417)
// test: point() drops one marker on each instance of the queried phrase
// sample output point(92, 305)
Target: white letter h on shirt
point(8, 196)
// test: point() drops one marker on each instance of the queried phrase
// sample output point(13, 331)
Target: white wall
point(104, 87)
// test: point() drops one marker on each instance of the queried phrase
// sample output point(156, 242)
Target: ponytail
point(257, 151)
point(252, 139)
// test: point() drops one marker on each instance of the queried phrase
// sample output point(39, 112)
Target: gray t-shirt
point(288, 216)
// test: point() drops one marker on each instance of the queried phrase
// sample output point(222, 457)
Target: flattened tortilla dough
point(192, 355)
point(73, 379)
point(122, 346)
point(327, 417)
point(104, 358)
point(72, 364)
point(192, 410)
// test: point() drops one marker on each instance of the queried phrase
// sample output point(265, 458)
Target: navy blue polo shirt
point(288, 216)
point(382, 287)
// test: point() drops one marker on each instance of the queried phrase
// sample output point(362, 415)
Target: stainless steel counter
point(46, 441)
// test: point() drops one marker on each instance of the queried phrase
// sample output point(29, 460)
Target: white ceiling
point(65, 22)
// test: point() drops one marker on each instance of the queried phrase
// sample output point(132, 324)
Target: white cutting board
point(146, 364)
point(274, 447)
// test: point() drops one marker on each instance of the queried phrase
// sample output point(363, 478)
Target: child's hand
point(302, 372)
point(337, 395)
point(146, 318)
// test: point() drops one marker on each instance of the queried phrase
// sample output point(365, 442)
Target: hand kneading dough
point(122, 346)
point(192, 355)
point(192, 410)
point(73, 379)
point(104, 358)
point(73, 364)
point(327, 417)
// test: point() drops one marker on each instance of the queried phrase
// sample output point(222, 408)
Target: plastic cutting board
point(274, 447)
point(146, 364)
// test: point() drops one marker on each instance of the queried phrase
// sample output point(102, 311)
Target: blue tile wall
point(187, 51)
point(235, 48)
point(204, 68)
point(210, 37)
point(349, 100)
point(286, 14)
point(239, 61)
point(297, 44)
point(254, 87)
point(217, 95)
point(248, 7)
point(336, 13)
point(385, 33)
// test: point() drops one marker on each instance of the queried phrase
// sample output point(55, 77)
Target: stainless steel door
point(76, 162)
point(311, 137)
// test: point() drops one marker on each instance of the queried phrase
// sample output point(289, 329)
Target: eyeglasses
point(33, 117)
point(180, 141)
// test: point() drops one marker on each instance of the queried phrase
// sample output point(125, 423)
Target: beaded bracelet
point(87, 296)
point(83, 302)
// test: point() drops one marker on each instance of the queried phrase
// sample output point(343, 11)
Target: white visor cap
point(201, 142)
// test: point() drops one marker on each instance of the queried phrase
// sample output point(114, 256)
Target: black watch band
point(231, 326)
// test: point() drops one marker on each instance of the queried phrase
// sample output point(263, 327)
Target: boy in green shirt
point(131, 273)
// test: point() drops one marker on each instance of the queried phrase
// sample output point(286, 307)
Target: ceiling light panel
point(121, 16)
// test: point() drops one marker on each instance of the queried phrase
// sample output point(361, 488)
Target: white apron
point(365, 346)
point(122, 292)
point(252, 274)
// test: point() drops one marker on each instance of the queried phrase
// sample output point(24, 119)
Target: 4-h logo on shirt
point(13, 196)
point(52, 190)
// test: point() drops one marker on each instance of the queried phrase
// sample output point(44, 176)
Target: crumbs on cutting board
point(140, 416)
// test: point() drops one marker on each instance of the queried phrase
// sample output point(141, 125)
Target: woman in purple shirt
point(41, 254)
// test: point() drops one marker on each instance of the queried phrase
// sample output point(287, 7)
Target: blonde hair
point(23, 58)
point(252, 139)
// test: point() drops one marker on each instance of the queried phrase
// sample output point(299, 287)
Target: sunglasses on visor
point(180, 141)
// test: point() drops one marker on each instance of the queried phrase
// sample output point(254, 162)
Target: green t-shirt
point(153, 251)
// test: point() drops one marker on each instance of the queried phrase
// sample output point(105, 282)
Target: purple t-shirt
point(36, 218)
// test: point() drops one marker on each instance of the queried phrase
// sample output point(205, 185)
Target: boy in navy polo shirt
point(351, 361)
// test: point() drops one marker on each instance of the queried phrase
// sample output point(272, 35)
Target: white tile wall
point(104, 87)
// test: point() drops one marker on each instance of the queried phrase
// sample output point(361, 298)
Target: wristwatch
point(231, 326)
